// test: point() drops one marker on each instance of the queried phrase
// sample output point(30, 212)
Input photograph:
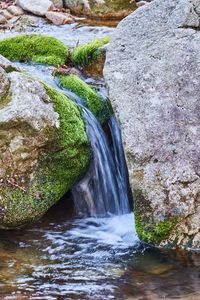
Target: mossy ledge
point(97, 105)
point(154, 233)
point(34, 47)
point(85, 54)
point(58, 168)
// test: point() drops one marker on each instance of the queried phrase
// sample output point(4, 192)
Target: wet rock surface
point(153, 75)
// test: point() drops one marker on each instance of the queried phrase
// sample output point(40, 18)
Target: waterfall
point(104, 190)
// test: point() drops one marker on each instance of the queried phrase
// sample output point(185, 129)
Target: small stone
point(15, 10)
point(141, 3)
point(58, 18)
point(2, 19)
point(58, 3)
point(6, 14)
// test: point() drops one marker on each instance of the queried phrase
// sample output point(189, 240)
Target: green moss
point(57, 169)
point(34, 47)
point(151, 232)
point(96, 104)
point(84, 54)
point(112, 6)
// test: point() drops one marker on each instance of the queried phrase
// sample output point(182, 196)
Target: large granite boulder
point(43, 146)
point(153, 75)
point(104, 9)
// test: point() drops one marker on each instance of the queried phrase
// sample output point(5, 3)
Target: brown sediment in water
point(99, 22)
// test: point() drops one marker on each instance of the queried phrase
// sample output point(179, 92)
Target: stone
point(58, 3)
point(104, 9)
point(6, 14)
point(4, 82)
point(44, 148)
point(36, 7)
point(2, 19)
point(58, 18)
point(153, 75)
point(141, 3)
point(15, 10)
point(7, 65)
point(95, 68)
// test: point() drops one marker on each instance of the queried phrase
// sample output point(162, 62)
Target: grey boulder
point(37, 7)
point(153, 75)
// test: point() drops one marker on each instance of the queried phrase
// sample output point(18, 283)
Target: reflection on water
point(67, 258)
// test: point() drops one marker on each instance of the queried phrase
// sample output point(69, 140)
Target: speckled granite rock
point(153, 75)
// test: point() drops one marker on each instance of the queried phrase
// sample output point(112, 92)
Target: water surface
point(63, 257)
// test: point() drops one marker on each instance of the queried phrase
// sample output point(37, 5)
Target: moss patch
point(96, 104)
point(112, 6)
point(151, 232)
point(34, 47)
point(84, 54)
point(57, 170)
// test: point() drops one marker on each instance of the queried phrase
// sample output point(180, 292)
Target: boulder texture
point(37, 7)
point(153, 75)
point(43, 144)
point(105, 9)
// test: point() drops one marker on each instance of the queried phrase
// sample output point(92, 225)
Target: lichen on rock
point(34, 47)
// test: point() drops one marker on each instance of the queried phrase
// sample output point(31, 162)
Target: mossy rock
point(100, 107)
point(154, 233)
point(44, 149)
point(107, 9)
point(84, 55)
point(116, 9)
point(34, 47)
point(149, 229)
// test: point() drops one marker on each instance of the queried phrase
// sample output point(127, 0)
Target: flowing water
point(66, 256)
point(104, 190)
point(70, 34)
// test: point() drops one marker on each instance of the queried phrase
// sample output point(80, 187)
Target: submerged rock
point(44, 147)
point(105, 9)
point(153, 76)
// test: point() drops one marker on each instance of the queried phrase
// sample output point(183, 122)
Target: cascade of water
point(104, 190)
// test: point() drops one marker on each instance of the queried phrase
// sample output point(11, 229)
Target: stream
point(95, 253)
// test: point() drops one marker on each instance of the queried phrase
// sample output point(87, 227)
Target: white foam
point(116, 230)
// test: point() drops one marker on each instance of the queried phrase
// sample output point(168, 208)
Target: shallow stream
point(63, 257)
